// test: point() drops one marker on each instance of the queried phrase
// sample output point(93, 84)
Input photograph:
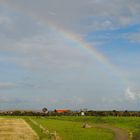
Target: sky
point(70, 54)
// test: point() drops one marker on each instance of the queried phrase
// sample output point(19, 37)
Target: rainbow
point(70, 36)
point(91, 50)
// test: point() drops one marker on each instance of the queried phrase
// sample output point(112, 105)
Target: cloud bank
point(42, 67)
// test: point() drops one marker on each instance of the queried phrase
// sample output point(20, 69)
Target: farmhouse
point(61, 110)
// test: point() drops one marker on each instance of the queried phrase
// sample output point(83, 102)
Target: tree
point(45, 110)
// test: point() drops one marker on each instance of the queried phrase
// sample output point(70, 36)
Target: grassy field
point(130, 124)
point(70, 128)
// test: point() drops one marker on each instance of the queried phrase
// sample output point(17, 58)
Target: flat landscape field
point(16, 129)
point(69, 128)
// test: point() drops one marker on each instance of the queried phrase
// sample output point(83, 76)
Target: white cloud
point(104, 14)
point(130, 95)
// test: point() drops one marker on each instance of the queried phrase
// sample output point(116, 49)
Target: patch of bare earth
point(16, 129)
point(120, 134)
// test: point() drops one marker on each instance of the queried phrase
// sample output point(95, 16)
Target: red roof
point(61, 110)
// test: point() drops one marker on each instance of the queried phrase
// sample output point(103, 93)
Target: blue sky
point(40, 66)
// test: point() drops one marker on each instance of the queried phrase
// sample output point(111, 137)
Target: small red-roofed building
point(61, 110)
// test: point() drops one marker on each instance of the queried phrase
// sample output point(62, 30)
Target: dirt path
point(120, 134)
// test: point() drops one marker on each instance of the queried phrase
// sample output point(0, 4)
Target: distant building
point(61, 110)
point(82, 113)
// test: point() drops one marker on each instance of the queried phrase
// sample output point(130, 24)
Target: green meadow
point(71, 127)
point(71, 130)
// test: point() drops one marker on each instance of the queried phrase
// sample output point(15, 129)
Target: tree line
point(71, 113)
